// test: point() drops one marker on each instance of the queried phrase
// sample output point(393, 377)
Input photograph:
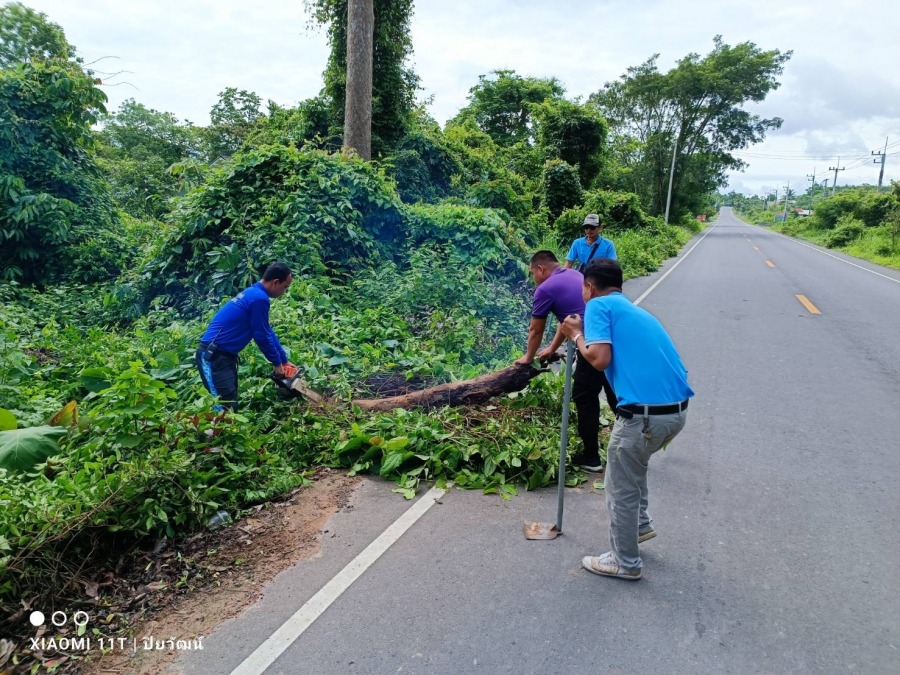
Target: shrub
point(848, 229)
point(309, 209)
point(53, 199)
point(618, 211)
point(423, 167)
point(480, 237)
point(874, 208)
point(828, 212)
point(562, 187)
point(572, 132)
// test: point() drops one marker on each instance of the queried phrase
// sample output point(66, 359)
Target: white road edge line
point(266, 654)
point(830, 255)
point(672, 268)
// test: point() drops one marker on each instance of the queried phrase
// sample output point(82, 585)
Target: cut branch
point(467, 392)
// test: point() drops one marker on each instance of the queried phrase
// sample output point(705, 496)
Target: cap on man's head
point(592, 220)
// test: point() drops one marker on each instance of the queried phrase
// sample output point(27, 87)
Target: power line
point(803, 158)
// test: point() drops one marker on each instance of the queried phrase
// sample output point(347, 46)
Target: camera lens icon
point(36, 619)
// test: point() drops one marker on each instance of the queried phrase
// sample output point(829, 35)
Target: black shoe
point(594, 465)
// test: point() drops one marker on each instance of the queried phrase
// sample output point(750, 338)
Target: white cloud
point(840, 93)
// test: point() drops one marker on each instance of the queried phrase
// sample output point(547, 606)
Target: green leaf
point(391, 462)
point(490, 466)
point(351, 444)
point(127, 441)
point(7, 420)
point(338, 360)
point(397, 443)
point(95, 379)
point(408, 493)
point(21, 449)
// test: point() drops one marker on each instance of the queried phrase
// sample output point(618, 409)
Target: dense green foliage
point(56, 215)
point(137, 148)
point(562, 187)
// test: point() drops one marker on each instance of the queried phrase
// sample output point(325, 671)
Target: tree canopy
point(501, 104)
point(698, 104)
point(56, 211)
point(27, 35)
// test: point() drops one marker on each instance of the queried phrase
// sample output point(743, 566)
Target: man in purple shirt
point(559, 292)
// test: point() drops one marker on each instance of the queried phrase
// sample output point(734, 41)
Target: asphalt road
point(777, 509)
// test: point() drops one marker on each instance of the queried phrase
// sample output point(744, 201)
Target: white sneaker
point(607, 566)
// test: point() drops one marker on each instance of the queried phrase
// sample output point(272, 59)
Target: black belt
point(629, 411)
point(204, 345)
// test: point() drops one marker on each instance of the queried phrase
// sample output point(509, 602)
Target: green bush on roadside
point(847, 229)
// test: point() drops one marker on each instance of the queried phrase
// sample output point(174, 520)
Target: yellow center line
point(806, 303)
point(770, 263)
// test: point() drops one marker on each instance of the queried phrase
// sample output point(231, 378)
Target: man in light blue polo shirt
point(644, 368)
point(591, 246)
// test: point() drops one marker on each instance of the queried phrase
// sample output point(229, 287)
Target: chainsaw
point(293, 384)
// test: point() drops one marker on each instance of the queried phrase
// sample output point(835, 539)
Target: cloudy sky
point(840, 95)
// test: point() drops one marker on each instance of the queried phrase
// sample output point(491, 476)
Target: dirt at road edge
point(267, 543)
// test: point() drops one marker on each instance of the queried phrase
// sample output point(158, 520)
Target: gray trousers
point(630, 448)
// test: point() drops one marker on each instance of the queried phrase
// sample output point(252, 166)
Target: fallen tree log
point(467, 392)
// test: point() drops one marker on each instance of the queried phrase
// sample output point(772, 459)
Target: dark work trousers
point(220, 376)
point(587, 383)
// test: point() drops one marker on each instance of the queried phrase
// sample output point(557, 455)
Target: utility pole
point(812, 190)
point(671, 177)
point(358, 99)
point(787, 195)
point(882, 157)
point(835, 169)
point(825, 187)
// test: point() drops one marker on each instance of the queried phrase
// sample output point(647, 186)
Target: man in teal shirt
point(644, 368)
point(591, 246)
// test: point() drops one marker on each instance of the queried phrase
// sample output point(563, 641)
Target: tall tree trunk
point(358, 105)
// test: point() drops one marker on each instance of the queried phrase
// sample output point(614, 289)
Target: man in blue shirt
point(591, 246)
point(559, 292)
point(650, 380)
point(243, 318)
